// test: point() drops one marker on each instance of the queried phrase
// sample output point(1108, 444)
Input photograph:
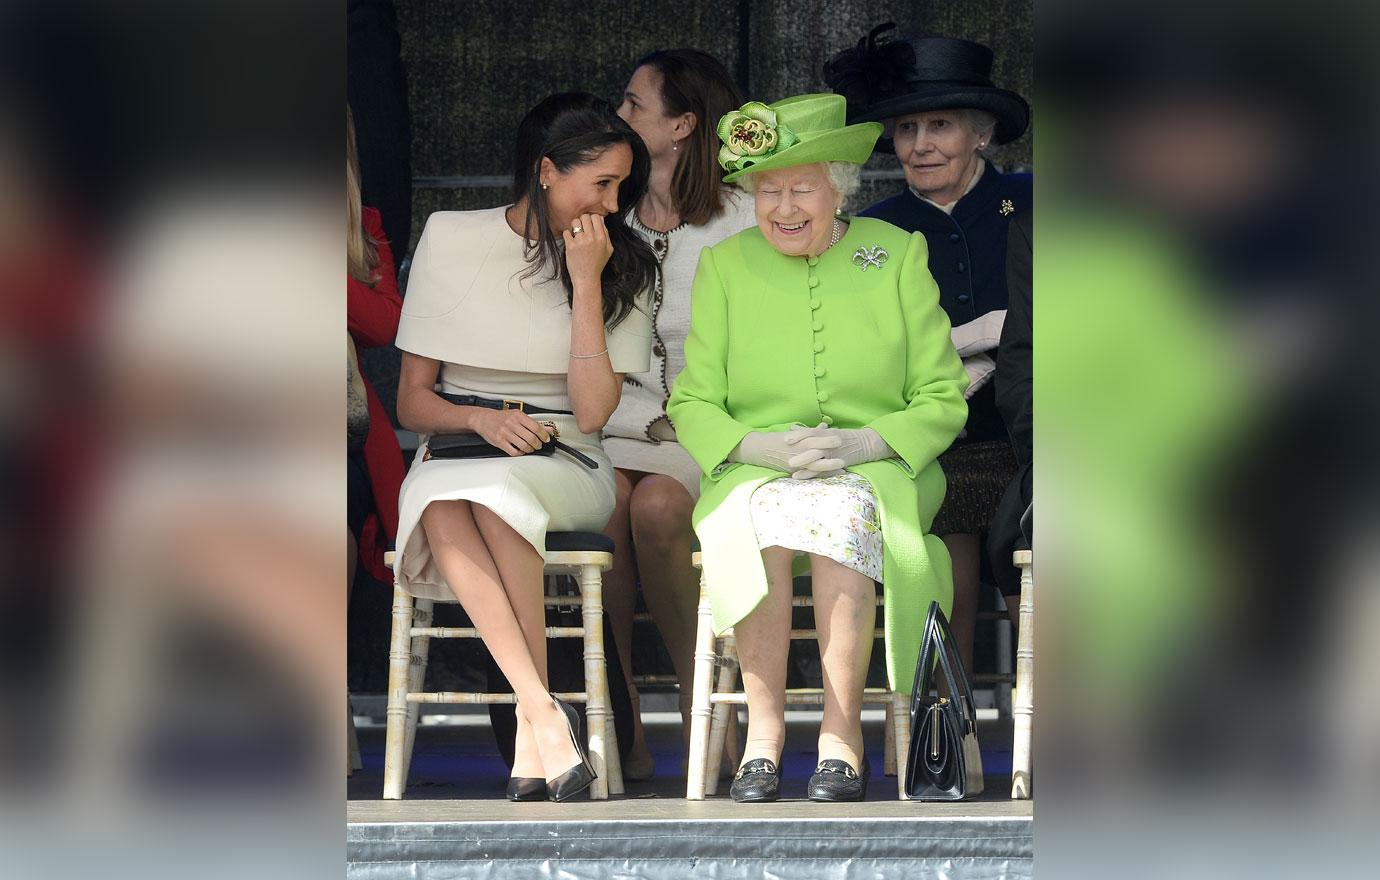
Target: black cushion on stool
point(589, 542)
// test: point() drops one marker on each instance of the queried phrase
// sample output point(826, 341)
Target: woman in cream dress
point(672, 101)
point(541, 302)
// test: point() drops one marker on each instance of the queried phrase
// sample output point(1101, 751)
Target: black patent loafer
point(836, 780)
point(579, 777)
point(526, 788)
point(758, 781)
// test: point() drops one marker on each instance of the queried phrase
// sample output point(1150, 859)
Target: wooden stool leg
point(399, 662)
point(700, 709)
point(615, 760)
point(1023, 707)
point(596, 678)
point(889, 741)
point(718, 726)
point(416, 677)
point(900, 732)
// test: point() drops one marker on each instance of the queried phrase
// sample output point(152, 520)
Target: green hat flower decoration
point(751, 134)
point(793, 131)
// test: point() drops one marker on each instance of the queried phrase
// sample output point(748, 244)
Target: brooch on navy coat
point(1007, 208)
point(870, 256)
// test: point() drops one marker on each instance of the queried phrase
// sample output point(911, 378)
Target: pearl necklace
point(836, 235)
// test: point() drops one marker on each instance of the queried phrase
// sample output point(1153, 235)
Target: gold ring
point(577, 229)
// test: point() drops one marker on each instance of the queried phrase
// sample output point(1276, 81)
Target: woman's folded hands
point(806, 453)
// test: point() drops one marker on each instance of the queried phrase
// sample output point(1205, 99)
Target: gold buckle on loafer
point(767, 767)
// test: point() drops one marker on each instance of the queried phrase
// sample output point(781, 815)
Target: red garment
point(372, 314)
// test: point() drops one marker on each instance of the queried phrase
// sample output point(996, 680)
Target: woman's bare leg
point(471, 570)
point(661, 509)
point(620, 604)
point(764, 639)
point(967, 564)
point(846, 617)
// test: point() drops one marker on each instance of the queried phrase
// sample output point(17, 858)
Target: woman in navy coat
point(941, 110)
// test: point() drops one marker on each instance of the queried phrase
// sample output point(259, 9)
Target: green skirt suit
point(777, 341)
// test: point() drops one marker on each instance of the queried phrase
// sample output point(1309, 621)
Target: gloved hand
point(766, 449)
point(825, 452)
point(979, 368)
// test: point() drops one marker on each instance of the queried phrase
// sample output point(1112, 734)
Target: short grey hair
point(982, 123)
point(844, 178)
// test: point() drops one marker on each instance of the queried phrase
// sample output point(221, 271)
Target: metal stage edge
point(667, 838)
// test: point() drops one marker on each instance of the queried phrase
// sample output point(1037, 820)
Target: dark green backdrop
point(474, 68)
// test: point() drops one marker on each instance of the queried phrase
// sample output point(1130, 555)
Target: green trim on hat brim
point(852, 143)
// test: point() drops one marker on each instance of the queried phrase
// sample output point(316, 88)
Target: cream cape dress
point(499, 336)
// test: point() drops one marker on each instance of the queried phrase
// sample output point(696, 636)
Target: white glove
point(825, 452)
point(980, 334)
point(980, 369)
point(770, 449)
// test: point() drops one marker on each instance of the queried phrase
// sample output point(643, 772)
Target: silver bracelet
point(587, 356)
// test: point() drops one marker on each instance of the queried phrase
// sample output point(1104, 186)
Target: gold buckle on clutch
point(514, 404)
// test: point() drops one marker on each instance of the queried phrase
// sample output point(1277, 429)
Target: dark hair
point(695, 82)
point(570, 129)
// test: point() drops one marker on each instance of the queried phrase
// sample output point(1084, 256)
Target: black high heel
point(526, 788)
point(579, 777)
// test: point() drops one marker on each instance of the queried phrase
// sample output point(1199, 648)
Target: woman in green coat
point(820, 386)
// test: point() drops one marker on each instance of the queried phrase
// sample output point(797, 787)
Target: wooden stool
point(1023, 707)
point(712, 699)
point(584, 555)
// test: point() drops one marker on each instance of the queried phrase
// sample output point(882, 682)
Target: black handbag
point(475, 446)
point(944, 762)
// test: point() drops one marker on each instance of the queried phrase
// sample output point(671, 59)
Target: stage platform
point(455, 824)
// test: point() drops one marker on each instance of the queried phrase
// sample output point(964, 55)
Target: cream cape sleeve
point(467, 304)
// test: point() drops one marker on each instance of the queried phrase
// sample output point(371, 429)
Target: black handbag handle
point(937, 635)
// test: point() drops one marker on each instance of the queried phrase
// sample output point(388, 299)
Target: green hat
point(793, 131)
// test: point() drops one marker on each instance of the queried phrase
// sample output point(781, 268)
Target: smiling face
point(588, 188)
point(795, 208)
point(938, 152)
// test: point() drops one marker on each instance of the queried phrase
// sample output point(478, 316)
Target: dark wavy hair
point(695, 82)
point(570, 129)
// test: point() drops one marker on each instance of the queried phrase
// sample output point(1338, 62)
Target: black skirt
point(978, 474)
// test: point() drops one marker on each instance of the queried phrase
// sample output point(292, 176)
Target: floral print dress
point(829, 516)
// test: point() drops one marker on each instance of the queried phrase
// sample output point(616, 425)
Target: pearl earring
point(544, 186)
point(675, 145)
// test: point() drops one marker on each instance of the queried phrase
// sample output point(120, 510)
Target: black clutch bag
point(475, 446)
point(944, 762)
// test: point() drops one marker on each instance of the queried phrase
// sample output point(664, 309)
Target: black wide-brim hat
point(884, 79)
